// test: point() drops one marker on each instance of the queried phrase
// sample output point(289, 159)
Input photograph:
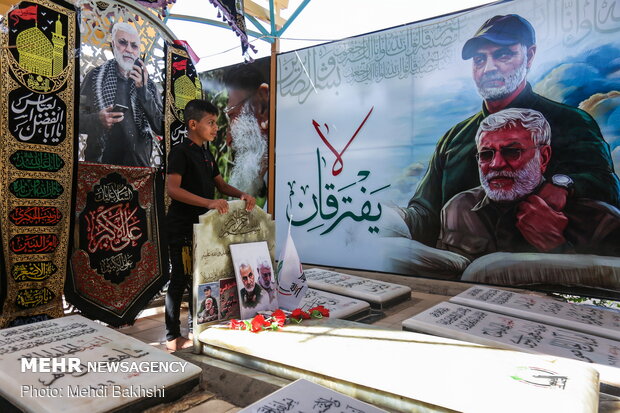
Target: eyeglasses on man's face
point(228, 109)
point(124, 43)
point(509, 153)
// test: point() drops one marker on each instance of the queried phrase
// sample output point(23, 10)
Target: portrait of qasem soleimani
point(255, 282)
point(526, 175)
point(121, 111)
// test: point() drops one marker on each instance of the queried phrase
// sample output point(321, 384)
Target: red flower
point(319, 311)
point(279, 317)
point(258, 322)
point(298, 314)
point(236, 325)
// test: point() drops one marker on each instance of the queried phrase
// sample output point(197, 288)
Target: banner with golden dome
point(38, 148)
point(182, 85)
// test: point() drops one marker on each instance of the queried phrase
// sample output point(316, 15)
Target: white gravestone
point(339, 306)
point(73, 364)
point(598, 321)
point(492, 329)
point(377, 293)
point(410, 372)
point(308, 397)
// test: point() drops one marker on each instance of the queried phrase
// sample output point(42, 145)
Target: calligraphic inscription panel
point(599, 321)
point(213, 235)
point(97, 368)
point(117, 264)
point(410, 372)
point(377, 293)
point(37, 151)
point(308, 397)
point(339, 306)
point(492, 329)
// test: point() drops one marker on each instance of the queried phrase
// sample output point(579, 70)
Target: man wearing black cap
point(502, 51)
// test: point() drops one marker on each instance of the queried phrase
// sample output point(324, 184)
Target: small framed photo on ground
point(208, 303)
point(255, 278)
point(229, 299)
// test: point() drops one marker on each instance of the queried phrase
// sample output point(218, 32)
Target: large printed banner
point(117, 264)
point(378, 166)
point(37, 153)
point(241, 93)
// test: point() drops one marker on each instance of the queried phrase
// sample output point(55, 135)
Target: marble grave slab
point(339, 306)
point(97, 369)
point(308, 397)
point(410, 372)
point(598, 321)
point(378, 293)
point(484, 327)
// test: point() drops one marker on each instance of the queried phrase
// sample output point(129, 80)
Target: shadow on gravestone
point(212, 262)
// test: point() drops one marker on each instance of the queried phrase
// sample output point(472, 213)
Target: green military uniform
point(578, 150)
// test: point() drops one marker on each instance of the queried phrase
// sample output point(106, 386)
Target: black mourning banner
point(38, 149)
point(183, 84)
point(119, 263)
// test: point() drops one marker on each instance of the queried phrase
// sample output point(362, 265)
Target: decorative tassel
point(230, 11)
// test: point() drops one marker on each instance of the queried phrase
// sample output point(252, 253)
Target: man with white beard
point(507, 213)
point(248, 116)
point(120, 107)
point(502, 52)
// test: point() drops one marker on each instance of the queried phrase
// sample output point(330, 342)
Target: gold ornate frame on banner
point(37, 150)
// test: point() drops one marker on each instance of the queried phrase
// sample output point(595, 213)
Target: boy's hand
point(249, 201)
point(219, 204)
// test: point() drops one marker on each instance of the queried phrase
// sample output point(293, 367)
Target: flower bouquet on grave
point(278, 319)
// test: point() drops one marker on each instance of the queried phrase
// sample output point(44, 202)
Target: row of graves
point(490, 350)
point(487, 350)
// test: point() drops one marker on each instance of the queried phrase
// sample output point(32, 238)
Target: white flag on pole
point(292, 284)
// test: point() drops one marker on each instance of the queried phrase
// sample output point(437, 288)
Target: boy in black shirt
point(192, 178)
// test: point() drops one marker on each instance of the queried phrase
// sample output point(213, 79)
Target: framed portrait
point(255, 278)
point(208, 302)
